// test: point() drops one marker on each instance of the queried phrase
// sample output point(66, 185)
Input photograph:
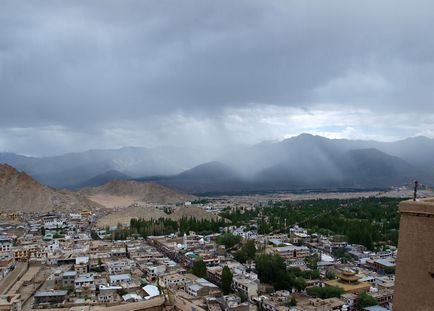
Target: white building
point(247, 286)
point(6, 244)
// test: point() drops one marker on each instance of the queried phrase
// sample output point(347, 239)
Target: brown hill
point(148, 211)
point(192, 211)
point(118, 193)
point(20, 192)
point(124, 215)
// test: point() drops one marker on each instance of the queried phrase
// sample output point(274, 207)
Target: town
point(242, 260)
point(216, 155)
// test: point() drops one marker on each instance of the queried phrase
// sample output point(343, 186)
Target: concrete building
point(108, 293)
point(381, 265)
point(7, 264)
point(317, 304)
point(81, 265)
point(174, 280)
point(119, 267)
point(68, 278)
point(292, 251)
point(247, 286)
point(54, 297)
point(117, 279)
point(5, 244)
point(414, 284)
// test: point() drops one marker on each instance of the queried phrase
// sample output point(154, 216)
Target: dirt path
point(12, 277)
point(27, 277)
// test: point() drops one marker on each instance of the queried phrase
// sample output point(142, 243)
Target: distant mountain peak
point(294, 162)
point(307, 135)
point(210, 170)
point(103, 179)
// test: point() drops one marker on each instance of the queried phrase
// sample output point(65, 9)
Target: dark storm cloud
point(83, 67)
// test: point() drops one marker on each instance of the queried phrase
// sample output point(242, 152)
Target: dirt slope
point(20, 192)
point(122, 193)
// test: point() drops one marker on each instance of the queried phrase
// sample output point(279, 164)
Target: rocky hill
point(126, 192)
point(20, 192)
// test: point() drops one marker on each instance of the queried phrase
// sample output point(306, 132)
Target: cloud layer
point(105, 74)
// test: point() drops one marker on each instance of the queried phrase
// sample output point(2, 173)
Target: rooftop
point(349, 287)
point(192, 255)
point(375, 308)
point(195, 287)
point(51, 293)
point(423, 207)
point(204, 282)
point(385, 262)
point(119, 277)
point(81, 260)
point(151, 290)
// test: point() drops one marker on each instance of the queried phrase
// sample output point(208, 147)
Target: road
point(12, 277)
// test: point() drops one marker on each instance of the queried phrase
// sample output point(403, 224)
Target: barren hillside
point(191, 211)
point(148, 211)
point(122, 193)
point(20, 192)
point(123, 215)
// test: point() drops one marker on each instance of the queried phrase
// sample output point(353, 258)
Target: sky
point(78, 75)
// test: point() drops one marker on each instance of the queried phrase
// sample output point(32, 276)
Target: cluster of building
point(79, 269)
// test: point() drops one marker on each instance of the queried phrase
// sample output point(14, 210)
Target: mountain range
point(298, 163)
point(96, 167)
point(20, 192)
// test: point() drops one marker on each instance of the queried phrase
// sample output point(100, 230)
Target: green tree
point(366, 300)
point(94, 235)
point(292, 302)
point(263, 226)
point(226, 280)
point(242, 296)
point(312, 261)
point(246, 253)
point(330, 274)
point(199, 268)
point(298, 283)
point(325, 292)
point(122, 292)
point(389, 270)
point(240, 256)
point(250, 249)
point(270, 268)
point(229, 240)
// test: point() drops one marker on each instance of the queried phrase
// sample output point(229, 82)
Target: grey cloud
point(85, 66)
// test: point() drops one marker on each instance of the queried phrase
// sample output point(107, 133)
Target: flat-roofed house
point(52, 297)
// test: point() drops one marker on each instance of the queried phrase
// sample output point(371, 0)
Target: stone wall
point(414, 285)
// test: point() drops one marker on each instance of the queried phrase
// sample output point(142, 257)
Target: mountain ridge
point(307, 160)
